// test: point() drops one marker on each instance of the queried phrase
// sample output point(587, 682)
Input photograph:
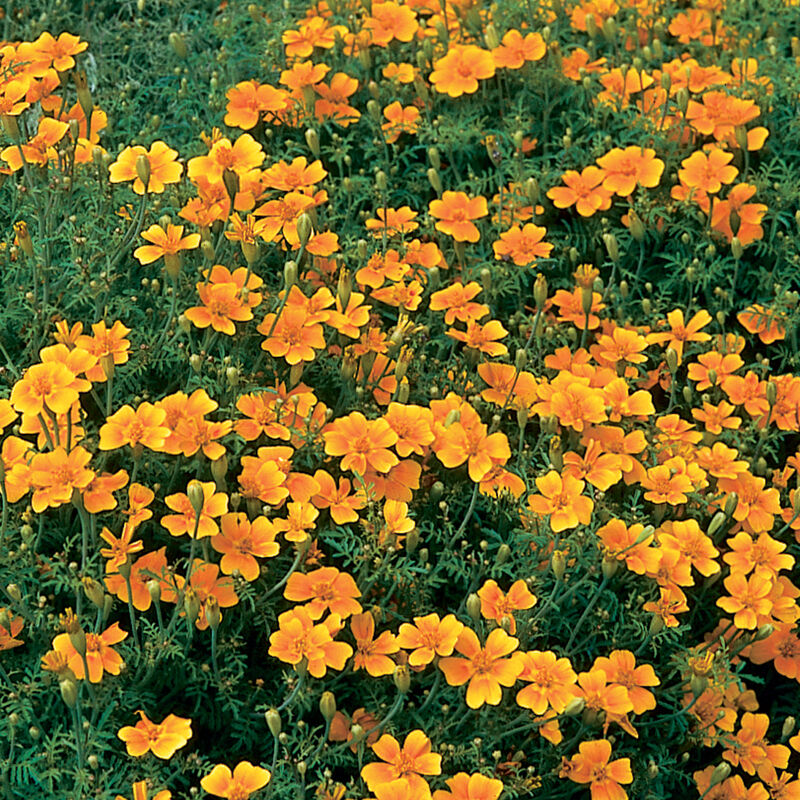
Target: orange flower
point(105, 341)
point(206, 584)
point(222, 305)
point(241, 156)
point(455, 211)
point(343, 506)
point(400, 120)
point(429, 638)
point(249, 100)
point(390, 20)
point(150, 566)
point(293, 336)
point(163, 168)
point(482, 338)
point(100, 656)
point(584, 190)
point(515, 50)
point(551, 682)
point(298, 637)
point(721, 365)
point(486, 668)
point(748, 600)
point(470, 787)
point(456, 301)
point(682, 332)
point(561, 498)
point(665, 485)
point(8, 636)
point(749, 215)
point(165, 243)
point(187, 520)
point(241, 542)
point(372, 654)
point(142, 427)
point(237, 785)
point(392, 221)
point(48, 385)
point(327, 589)
point(469, 440)
point(708, 172)
point(459, 71)
point(141, 792)
point(57, 474)
point(620, 667)
point(163, 739)
point(770, 325)
point(497, 605)
point(408, 763)
point(362, 442)
point(624, 169)
point(592, 765)
point(523, 245)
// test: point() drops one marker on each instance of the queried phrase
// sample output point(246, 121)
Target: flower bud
point(575, 706)
point(788, 727)
point(357, 732)
point(381, 181)
point(492, 39)
point(196, 495)
point(717, 521)
point(196, 362)
point(191, 604)
point(305, 229)
point(609, 567)
point(612, 247)
point(289, 274)
point(764, 632)
point(402, 678)
point(412, 540)
point(474, 607)
point(312, 140)
point(93, 590)
point(731, 504)
point(540, 291)
point(24, 237)
point(154, 590)
point(12, 590)
point(635, 225)
point(213, 614)
point(69, 692)
point(178, 44)
point(503, 554)
point(736, 247)
point(435, 181)
point(143, 170)
point(327, 706)
point(720, 773)
point(344, 287)
point(273, 719)
point(698, 684)
point(558, 563)
point(671, 358)
point(772, 393)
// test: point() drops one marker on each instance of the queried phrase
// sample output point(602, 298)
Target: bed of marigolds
point(427, 429)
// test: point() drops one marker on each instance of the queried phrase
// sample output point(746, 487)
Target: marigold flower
point(362, 443)
point(584, 190)
point(768, 324)
point(408, 763)
point(150, 566)
point(165, 243)
point(57, 474)
point(620, 667)
point(459, 71)
point(749, 215)
point(162, 739)
point(486, 668)
point(343, 505)
point(49, 384)
point(142, 426)
point(8, 636)
point(551, 682)
point(237, 785)
point(470, 787)
point(400, 120)
point(748, 600)
point(456, 301)
point(429, 637)
point(497, 605)
point(186, 520)
point(625, 168)
point(105, 341)
point(561, 498)
point(241, 542)
point(293, 336)
point(372, 654)
point(592, 765)
point(515, 49)
point(100, 656)
point(298, 637)
point(455, 212)
point(327, 589)
point(249, 100)
point(523, 245)
point(163, 168)
point(482, 338)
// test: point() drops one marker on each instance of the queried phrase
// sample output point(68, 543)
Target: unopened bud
point(558, 563)
point(213, 614)
point(503, 554)
point(305, 229)
point(474, 607)
point(196, 495)
point(720, 773)
point(402, 678)
point(731, 504)
point(540, 291)
point(717, 521)
point(435, 181)
point(93, 590)
point(178, 44)
point(575, 706)
point(143, 170)
point(69, 692)
point(788, 727)
point(312, 140)
point(273, 719)
point(736, 247)
point(671, 358)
